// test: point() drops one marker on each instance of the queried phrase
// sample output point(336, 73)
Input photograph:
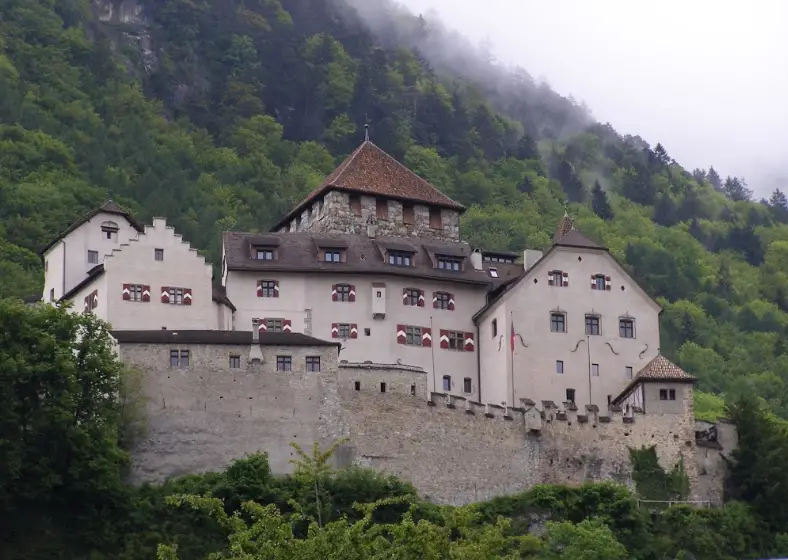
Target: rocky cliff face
point(125, 25)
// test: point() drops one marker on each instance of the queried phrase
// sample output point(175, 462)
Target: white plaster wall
point(78, 300)
point(495, 357)
point(182, 267)
point(76, 245)
point(531, 303)
point(301, 292)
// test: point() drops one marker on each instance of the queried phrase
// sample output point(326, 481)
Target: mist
point(706, 78)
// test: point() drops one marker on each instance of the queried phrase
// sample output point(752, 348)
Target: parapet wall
point(453, 450)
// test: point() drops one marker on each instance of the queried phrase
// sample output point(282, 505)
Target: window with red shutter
point(401, 339)
point(353, 330)
point(334, 330)
point(470, 346)
point(126, 292)
point(287, 325)
point(444, 343)
point(426, 337)
point(187, 296)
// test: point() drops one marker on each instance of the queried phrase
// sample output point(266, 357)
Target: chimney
point(530, 257)
point(476, 259)
point(255, 331)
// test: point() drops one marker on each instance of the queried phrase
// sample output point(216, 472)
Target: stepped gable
point(660, 369)
point(371, 171)
point(300, 252)
point(109, 207)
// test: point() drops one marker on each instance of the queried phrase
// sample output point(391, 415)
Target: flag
point(512, 338)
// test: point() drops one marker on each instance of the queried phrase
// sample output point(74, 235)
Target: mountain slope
point(221, 115)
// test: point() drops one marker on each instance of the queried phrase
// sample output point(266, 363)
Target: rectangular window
point(313, 364)
point(355, 204)
point(626, 328)
point(400, 258)
point(628, 372)
point(274, 325)
point(235, 362)
point(92, 257)
point(570, 395)
point(176, 296)
point(343, 292)
point(456, 340)
point(174, 358)
point(592, 325)
point(265, 254)
point(599, 282)
point(268, 288)
point(184, 358)
point(447, 383)
point(558, 322)
point(413, 336)
point(52, 294)
point(333, 256)
point(135, 292)
point(594, 370)
point(495, 328)
point(382, 387)
point(442, 300)
point(408, 214)
point(493, 272)
point(382, 209)
point(284, 363)
point(435, 218)
point(559, 366)
point(158, 254)
point(663, 394)
point(449, 263)
point(557, 278)
point(467, 385)
point(672, 394)
point(344, 330)
point(411, 296)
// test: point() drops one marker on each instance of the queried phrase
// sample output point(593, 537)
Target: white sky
point(707, 78)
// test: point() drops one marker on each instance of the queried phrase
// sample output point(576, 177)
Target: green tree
point(599, 202)
point(588, 540)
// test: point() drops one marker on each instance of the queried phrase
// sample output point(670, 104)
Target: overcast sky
point(707, 78)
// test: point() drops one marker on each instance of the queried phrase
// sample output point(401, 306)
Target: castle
point(362, 314)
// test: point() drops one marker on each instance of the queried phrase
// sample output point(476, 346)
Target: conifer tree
point(599, 202)
point(714, 178)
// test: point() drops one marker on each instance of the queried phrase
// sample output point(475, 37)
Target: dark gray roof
point(218, 337)
point(93, 273)
point(109, 207)
point(219, 295)
point(576, 239)
point(298, 252)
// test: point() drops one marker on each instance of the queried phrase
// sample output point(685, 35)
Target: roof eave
point(305, 270)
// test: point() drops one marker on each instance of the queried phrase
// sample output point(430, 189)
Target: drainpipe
point(63, 288)
point(479, 361)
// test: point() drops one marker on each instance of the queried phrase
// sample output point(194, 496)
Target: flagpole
point(511, 349)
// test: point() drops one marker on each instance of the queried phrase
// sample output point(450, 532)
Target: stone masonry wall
point(332, 214)
point(454, 451)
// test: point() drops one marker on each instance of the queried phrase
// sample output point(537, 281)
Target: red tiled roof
point(663, 369)
point(565, 225)
point(370, 170)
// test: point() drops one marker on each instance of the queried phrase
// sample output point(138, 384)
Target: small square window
point(599, 282)
point(558, 322)
point(594, 370)
point(265, 255)
point(379, 294)
point(275, 325)
point(93, 257)
point(493, 272)
point(447, 383)
point(158, 254)
point(559, 366)
point(184, 358)
point(467, 385)
point(592, 325)
point(442, 300)
point(284, 363)
point(332, 256)
point(556, 278)
point(413, 389)
point(343, 292)
point(367, 332)
point(628, 372)
point(235, 362)
point(135, 292)
point(268, 288)
point(411, 296)
point(663, 394)
point(175, 296)
point(313, 364)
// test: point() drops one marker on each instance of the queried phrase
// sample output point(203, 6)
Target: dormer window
point(332, 255)
point(449, 263)
point(493, 272)
point(400, 258)
point(264, 254)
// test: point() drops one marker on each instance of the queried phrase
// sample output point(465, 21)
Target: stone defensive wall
point(453, 450)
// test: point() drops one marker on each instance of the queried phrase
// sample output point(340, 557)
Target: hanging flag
point(512, 338)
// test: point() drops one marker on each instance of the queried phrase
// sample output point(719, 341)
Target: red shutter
point(334, 292)
point(608, 283)
point(426, 337)
point(444, 339)
point(259, 288)
point(352, 294)
point(469, 344)
point(334, 330)
point(287, 325)
point(404, 296)
point(353, 330)
point(550, 281)
point(435, 300)
point(401, 338)
point(165, 294)
point(146, 293)
point(451, 302)
point(566, 279)
point(421, 298)
point(126, 292)
point(187, 296)
point(276, 288)
point(593, 282)
point(262, 325)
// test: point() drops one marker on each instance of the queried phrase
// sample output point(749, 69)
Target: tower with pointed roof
point(372, 193)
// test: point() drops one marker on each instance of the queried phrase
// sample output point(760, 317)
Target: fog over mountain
point(707, 78)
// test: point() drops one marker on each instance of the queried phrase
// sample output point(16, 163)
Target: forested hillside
point(220, 115)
